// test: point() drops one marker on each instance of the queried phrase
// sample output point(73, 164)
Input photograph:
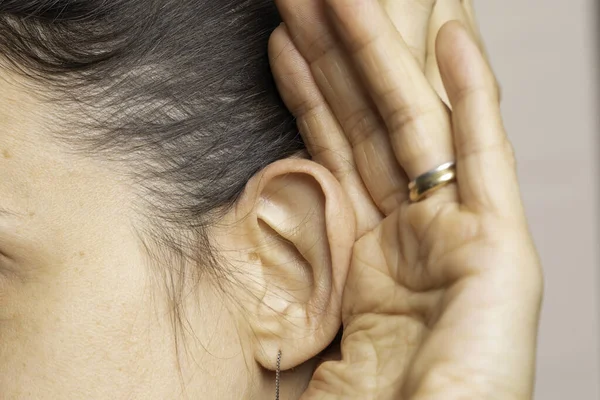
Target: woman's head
point(161, 233)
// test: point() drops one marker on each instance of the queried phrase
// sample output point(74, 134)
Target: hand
point(419, 22)
point(442, 299)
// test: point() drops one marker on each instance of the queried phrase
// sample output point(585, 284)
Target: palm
point(421, 307)
point(416, 293)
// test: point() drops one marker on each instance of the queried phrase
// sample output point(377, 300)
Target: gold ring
point(431, 181)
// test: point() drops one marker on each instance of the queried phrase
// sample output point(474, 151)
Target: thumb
point(411, 18)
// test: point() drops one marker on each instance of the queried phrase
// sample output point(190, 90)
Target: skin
point(443, 296)
point(83, 308)
point(81, 314)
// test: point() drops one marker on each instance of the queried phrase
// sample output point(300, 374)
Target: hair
point(180, 92)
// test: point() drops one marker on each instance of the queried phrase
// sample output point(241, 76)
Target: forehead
point(25, 150)
point(47, 192)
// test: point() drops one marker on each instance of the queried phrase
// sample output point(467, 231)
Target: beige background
point(544, 54)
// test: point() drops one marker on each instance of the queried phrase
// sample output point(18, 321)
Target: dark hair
point(180, 92)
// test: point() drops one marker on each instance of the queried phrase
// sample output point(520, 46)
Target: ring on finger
point(429, 182)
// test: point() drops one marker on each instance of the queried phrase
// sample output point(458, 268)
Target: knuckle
point(361, 125)
point(392, 200)
point(464, 94)
point(322, 44)
point(361, 45)
point(340, 165)
point(305, 107)
point(402, 118)
point(466, 149)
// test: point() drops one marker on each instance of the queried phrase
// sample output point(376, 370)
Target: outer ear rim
point(340, 230)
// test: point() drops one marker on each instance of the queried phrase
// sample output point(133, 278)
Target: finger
point(473, 25)
point(485, 161)
point(417, 120)
point(411, 19)
point(318, 126)
point(337, 80)
point(443, 12)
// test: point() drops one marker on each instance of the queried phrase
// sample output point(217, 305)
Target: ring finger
point(417, 121)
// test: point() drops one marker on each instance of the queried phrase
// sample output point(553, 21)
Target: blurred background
point(545, 53)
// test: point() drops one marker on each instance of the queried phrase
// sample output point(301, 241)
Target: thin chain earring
point(278, 375)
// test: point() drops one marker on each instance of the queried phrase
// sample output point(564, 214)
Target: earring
point(278, 375)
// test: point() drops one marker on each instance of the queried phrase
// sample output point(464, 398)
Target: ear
point(299, 232)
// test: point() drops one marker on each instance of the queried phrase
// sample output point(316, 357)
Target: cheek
point(75, 327)
point(6, 276)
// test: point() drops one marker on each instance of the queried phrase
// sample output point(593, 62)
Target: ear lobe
point(303, 232)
